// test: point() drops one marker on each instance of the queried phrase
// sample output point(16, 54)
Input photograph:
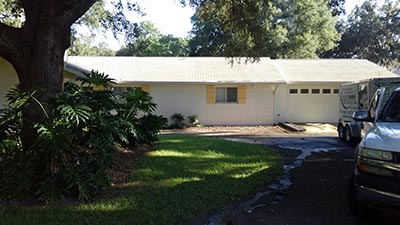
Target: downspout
point(274, 88)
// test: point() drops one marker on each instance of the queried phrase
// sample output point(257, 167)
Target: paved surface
point(317, 195)
point(319, 186)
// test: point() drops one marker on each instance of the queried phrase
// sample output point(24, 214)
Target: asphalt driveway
point(317, 194)
point(313, 191)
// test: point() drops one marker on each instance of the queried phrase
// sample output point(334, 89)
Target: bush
point(193, 121)
point(177, 121)
point(76, 143)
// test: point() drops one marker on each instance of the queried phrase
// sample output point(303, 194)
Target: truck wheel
point(356, 207)
point(340, 132)
point(347, 134)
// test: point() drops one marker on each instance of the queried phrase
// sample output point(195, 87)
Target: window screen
point(231, 95)
point(226, 94)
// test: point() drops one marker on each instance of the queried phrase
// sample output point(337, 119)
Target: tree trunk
point(36, 51)
point(41, 70)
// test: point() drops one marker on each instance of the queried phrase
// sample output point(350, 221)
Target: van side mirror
point(362, 115)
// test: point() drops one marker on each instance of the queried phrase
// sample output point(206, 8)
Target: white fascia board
point(195, 82)
point(77, 70)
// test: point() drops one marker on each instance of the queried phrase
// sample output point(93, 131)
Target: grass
point(182, 178)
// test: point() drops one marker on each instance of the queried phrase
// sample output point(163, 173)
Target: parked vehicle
point(375, 183)
point(358, 96)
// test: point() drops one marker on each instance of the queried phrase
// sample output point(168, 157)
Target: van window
point(391, 111)
point(374, 104)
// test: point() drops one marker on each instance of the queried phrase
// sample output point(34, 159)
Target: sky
point(171, 18)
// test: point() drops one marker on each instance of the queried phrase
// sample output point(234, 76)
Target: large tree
point(372, 32)
point(83, 45)
point(34, 35)
point(149, 41)
point(278, 29)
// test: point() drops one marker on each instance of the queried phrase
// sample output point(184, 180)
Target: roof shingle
point(220, 70)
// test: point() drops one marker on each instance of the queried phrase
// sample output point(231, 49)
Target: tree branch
point(10, 39)
point(74, 9)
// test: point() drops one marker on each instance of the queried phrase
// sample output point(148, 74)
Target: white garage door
point(316, 103)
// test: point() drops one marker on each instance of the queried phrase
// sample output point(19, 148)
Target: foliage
point(11, 12)
point(14, 161)
point(277, 29)
point(135, 112)
point(183, 178)
point(150, 42)
point(84, 46)
point(95, 78)
point(75, 143)
point(193, 121)
point(372, 33)
point(177, 121)
point(337, 7)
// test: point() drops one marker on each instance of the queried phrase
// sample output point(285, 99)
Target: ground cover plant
point(183, 177)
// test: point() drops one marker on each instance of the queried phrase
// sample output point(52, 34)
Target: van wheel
point(347, 134)
point(340, 132)
point(356, 207)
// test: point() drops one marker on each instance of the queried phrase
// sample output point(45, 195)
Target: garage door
point(312, 104)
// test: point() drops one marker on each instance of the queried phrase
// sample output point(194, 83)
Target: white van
point(375, 184)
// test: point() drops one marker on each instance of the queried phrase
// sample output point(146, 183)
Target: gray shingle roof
point(219, 70)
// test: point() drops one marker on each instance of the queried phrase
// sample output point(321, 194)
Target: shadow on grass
point(185, 177)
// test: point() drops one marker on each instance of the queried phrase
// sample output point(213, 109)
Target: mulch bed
point(125, 163)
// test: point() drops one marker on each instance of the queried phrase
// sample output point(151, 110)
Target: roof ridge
point(280, 71)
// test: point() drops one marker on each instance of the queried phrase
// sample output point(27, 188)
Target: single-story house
point(221, 93)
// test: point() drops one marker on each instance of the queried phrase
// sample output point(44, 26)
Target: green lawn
point(182, 178)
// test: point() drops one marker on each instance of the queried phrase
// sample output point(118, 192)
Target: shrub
point(76, 143)
point(177, 121)
point(193, 121)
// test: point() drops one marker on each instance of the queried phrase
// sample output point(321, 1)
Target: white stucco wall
point(8, 79)
point(301, 108)
point(189, 99)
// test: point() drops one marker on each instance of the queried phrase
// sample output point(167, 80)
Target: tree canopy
point(150, 42)
point(83, 45)
point(372, 32)
point(278, 29)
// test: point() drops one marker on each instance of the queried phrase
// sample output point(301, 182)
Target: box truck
point(358, 96)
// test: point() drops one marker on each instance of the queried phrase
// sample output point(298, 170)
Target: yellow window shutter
point(146, 88)
point(210, 94)
point(242, 94)
point(98, 87)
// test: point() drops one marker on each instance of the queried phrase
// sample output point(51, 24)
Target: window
point(226, 94)
point(326, 91)
point(293, 91)
point(119, 89)
point(315, 91)
point(374, 104)
point(391, 111)
point(336, 91)
point(304, 91)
